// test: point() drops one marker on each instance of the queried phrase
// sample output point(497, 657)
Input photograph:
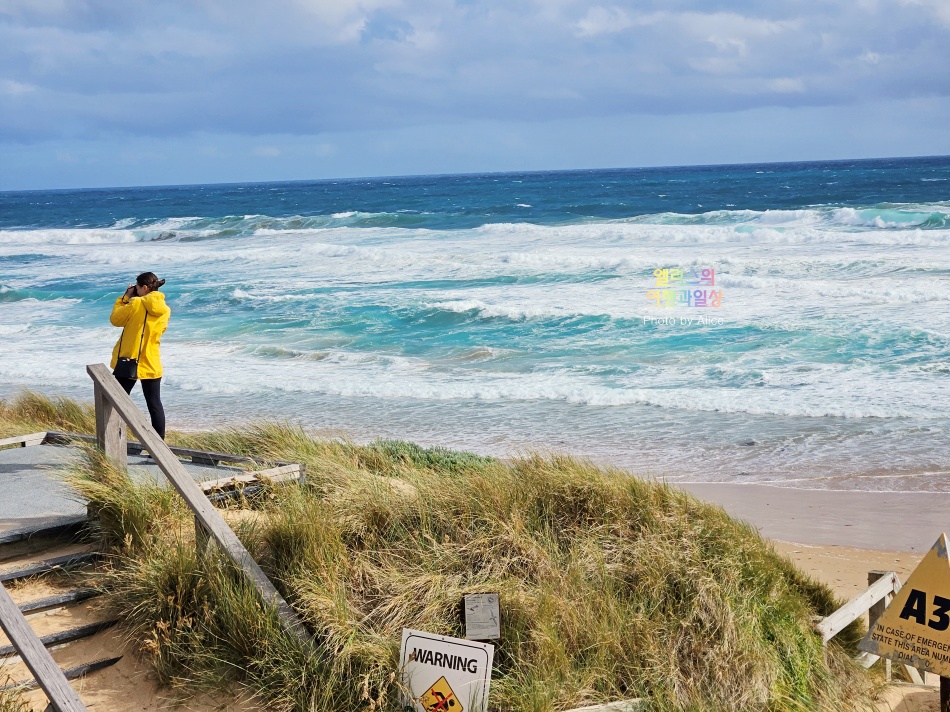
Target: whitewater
point(508, 313)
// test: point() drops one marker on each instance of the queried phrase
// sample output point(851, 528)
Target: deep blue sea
point(784, 323)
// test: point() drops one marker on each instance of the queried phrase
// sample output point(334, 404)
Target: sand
point(887, 521)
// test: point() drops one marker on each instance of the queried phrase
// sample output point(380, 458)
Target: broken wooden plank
point(25, 440)
point(282, 473)
point(37, 657)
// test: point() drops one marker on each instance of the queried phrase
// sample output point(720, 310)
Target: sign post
point(915, 628)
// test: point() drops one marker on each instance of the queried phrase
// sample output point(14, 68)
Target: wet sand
point(886, 521)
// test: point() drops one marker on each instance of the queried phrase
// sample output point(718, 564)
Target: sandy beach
point(887, 521)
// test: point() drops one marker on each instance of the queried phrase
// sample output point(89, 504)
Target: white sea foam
point(74, 236)
point(11, 329)
point(408, 380)
point(463, 306)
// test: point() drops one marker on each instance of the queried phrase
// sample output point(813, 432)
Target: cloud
point(92, 68)
point(14, 88)
point(603, 20)
point(939, 8)
point(787, 85)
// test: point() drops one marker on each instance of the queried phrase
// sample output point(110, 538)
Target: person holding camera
point(143, 316)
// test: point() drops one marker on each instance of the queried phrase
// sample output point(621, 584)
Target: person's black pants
point(152, 390)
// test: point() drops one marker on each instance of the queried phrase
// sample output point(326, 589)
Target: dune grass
point(30, 412)
point(12, 700)
point(611, 587)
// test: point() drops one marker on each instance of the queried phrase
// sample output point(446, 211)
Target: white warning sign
point(445, 674)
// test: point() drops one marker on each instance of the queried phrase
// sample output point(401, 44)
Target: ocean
point(781, 323)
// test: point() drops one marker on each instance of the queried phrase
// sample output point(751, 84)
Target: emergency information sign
point(915, 627)
point(445, 674)
point(482, 620)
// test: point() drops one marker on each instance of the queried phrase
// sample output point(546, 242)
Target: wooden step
point(50, 602)
point(65, 636)
point(53, 527)
point(47, 565)
point(71, 674)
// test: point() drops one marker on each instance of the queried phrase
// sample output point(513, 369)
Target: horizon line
point(408, 176)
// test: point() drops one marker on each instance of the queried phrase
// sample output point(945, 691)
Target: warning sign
point(444, 674)
point(440, 698)
point(915, 627)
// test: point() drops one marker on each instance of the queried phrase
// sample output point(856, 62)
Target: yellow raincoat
point(130, 315)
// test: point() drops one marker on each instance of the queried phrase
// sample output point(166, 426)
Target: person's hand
point(130, 291)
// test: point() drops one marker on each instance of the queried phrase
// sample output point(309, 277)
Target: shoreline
point(880, 521)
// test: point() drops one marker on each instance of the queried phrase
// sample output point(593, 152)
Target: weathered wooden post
point(875, 611)
point(110, 430)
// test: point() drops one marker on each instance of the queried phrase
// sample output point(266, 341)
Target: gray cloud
point(85, 69)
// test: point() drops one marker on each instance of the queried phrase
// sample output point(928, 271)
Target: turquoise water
point(509, 312)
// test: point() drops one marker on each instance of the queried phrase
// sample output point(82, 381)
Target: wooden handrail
point(116, 410)
point(858, 606)
point(56, 437)
point(883, 586)
point(37, 658)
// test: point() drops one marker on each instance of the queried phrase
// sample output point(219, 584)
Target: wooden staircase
point(50, 585)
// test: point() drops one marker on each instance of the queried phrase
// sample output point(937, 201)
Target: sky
point(139, 92)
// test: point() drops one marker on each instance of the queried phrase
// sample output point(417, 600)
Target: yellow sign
point(915, 627)
point(440, 698)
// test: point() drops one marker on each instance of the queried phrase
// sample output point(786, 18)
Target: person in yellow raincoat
point(143, 316)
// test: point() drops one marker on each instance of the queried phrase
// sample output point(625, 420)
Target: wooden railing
point(882, 585)
point(114, 412)
point(279, 471)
